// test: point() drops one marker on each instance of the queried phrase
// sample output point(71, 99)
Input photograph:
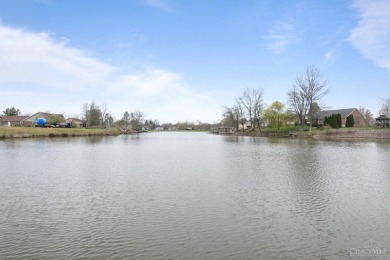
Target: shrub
point(324, 127)
point(333, 121)
point(350, 122)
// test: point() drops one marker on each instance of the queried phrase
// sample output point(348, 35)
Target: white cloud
point(280, 36)
point(329, 58)
point(372, 34)
point(149, 82)
point(38, 59)
point(41, 73)
point(165, 94)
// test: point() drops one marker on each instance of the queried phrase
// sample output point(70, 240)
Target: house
point(77, 122)
point(248, 125)
point(30, 121)
point(318, 119)
point(11, 120)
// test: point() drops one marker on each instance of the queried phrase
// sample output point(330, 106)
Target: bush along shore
point(29, 132)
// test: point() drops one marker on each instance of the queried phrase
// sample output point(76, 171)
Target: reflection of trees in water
point(133, 138)
point(97, 139)
point(254, 139)
point(233, 139)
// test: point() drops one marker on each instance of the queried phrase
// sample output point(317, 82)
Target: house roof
point(383, 117)
point(12, 118)
point(326, 113)
point(45, 115)
point(77, 120)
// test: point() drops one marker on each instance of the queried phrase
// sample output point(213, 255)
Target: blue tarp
point(40, 121)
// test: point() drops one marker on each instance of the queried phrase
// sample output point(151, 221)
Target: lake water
point(183, 195)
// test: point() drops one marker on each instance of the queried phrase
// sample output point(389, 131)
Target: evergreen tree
point(350, 122)
point(12, 112)
point(334, 120)
point(338, 121)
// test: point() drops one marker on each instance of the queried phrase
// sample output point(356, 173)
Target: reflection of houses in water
point(382, 121)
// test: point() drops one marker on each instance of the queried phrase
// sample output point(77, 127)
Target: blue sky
point(184, 60)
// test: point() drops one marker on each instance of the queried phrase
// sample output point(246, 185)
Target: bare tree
point(308, 90)
point(103, 114)
point(316, 88)
point(385, 108)
point(252, 102)
point(228, 117)
point(368, 117)
point(233, 115)
point(298, 104)
point(239, 115)
point(258, 107)
point(137, 119)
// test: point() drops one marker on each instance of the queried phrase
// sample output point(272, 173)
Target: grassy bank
point(353, 133)
point(323, 133)
point(269, 132)
point(28, 132)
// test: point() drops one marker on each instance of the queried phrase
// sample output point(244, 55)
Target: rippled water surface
point(192, 196)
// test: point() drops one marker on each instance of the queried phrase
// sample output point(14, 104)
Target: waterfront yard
point(322, 133)
point(27, 132)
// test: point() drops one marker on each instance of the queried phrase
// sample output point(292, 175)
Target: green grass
point(28, 132)
point(280, 130)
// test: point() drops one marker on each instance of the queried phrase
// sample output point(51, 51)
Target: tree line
point(98, 116)
point(304, 100)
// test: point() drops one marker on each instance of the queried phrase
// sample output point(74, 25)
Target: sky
point(181, 60)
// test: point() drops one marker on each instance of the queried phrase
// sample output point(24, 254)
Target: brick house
point(30, 120)
point(77, 122)
point(11, 120)
point(318, 119)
